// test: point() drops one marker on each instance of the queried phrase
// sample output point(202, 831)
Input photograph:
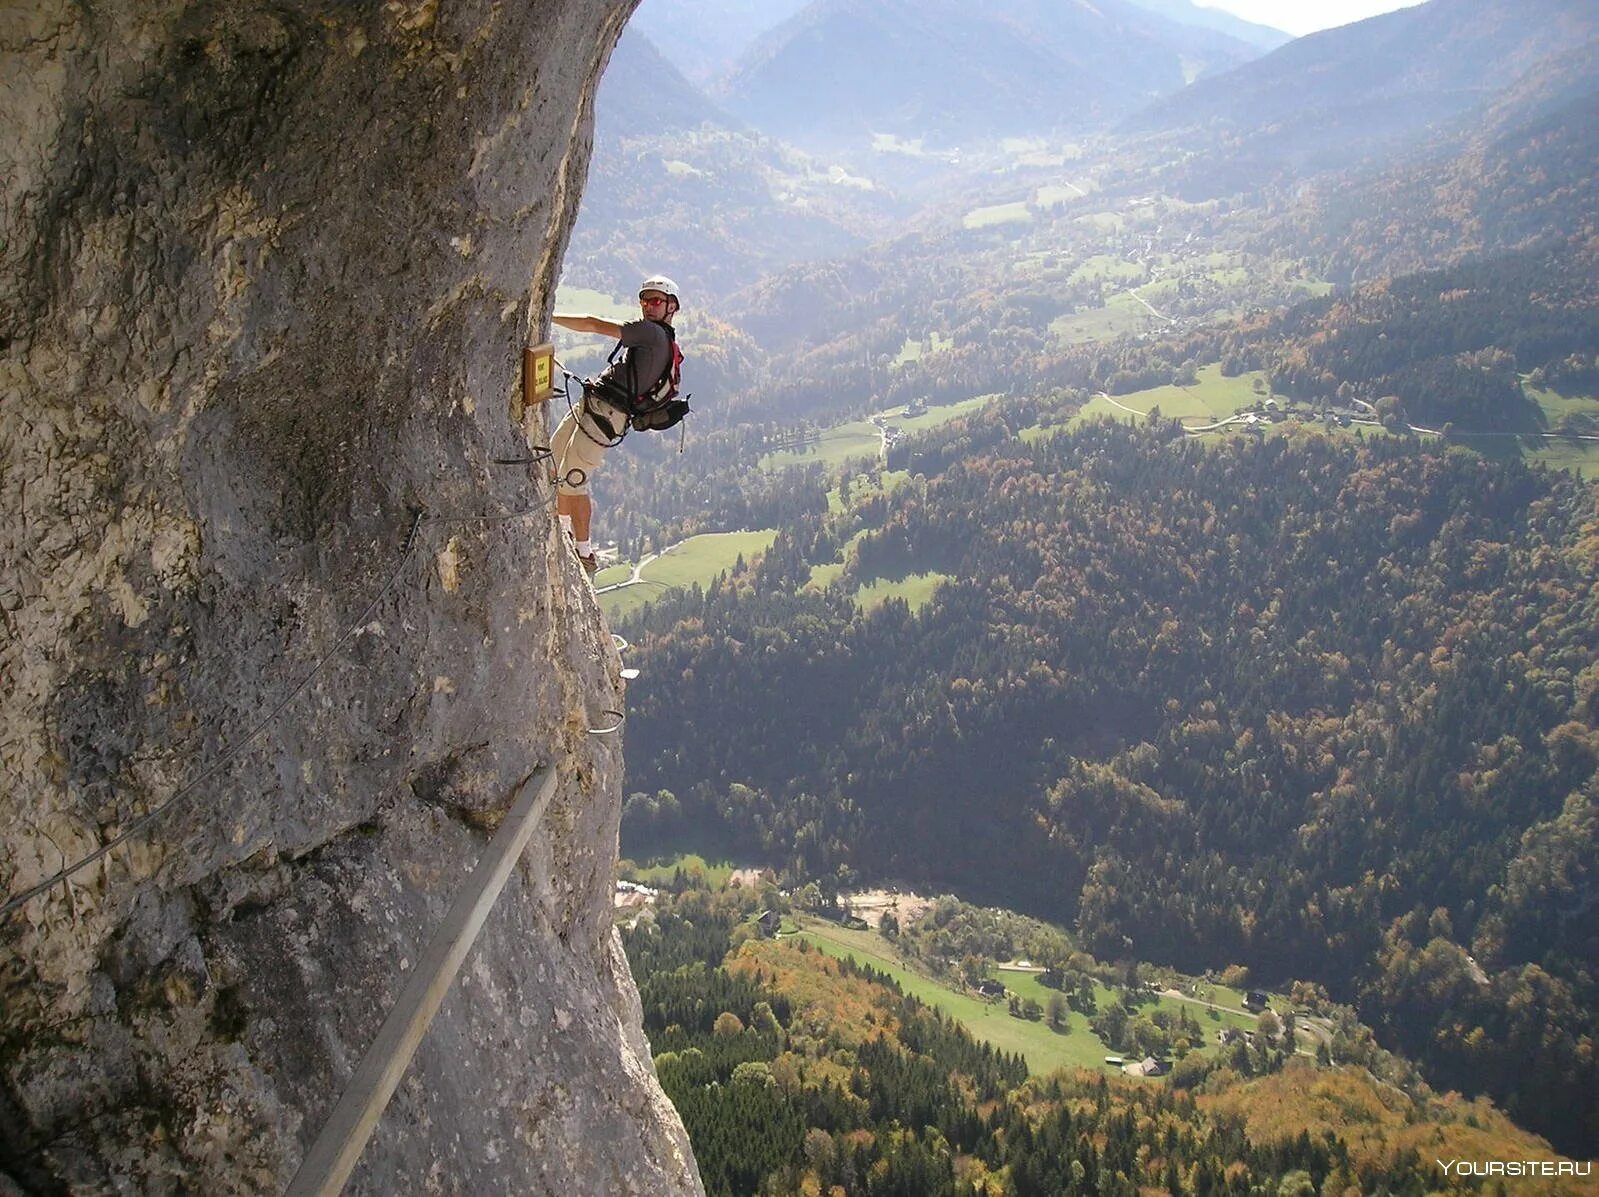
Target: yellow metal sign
point(538, 373)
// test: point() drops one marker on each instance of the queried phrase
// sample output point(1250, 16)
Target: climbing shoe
point(590, 564)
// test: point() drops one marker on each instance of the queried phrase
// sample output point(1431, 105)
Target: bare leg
point(581, 510)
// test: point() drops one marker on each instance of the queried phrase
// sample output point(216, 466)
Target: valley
point(1192, 509)
point(804, 1053)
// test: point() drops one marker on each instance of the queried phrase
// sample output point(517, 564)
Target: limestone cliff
point(266, 269)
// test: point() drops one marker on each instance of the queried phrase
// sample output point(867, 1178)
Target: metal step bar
point(327, 1166)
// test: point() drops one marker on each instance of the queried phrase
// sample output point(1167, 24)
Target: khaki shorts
point(576, 450)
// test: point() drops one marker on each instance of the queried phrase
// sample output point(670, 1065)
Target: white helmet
point(659, 282)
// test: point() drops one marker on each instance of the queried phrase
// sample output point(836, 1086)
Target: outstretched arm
point(588, 324)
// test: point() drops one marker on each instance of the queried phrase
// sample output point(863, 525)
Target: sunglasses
point(648, 300)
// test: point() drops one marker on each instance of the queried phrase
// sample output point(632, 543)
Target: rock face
point(266, 269)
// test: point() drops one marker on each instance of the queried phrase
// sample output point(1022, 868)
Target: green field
point(661, 871)
point(1120, 314)
point(1555, 405)
point(935, 416)
point(1104, 222)
point(1226, 269)
point(1038, 151)
point(1211, 398)
point(698, 559)
point(887, 143)
point(823, 576)
point(915, 589)
point(860, 438)
point(701, 558)
point(594, 303)
point(1045, 1049)
point(862, 486)
point(1038, 434)
point(1100, 408)
point(1107, 267)
point(833, 448)
point(618, 604)
point(1055, 194)
point(1580, 457)
point(1557, 453)
point(1014, 213)
point(1157, 289)
point(914, 350)
point(612, 574)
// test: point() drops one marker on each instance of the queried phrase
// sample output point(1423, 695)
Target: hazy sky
point(1306, 16)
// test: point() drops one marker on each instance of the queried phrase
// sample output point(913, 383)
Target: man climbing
point(637, 390)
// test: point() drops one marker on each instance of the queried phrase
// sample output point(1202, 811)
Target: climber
point(638, 389)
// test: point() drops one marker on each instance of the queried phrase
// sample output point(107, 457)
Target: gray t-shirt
point(646, 353)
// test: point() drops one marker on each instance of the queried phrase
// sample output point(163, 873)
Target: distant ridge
point(1526, 174)
point(1333, 97)
point(953, 73)
point(675, 181)
point(644, 94)
point(1185, 12)
point(704, 38)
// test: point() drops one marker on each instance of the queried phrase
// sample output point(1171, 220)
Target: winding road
point(638, 570)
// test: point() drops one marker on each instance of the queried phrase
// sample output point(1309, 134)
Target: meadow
point(1212, 397)
point(915, 589)
point(914, 348)
point(660, 872)
point(594, 303)
point(699, 559)
point(843, 443)
point(994, 214)
point(990, 1021)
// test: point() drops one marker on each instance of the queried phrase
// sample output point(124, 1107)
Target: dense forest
point(797, 1073)
point(1449, 345)
point(1329, 709)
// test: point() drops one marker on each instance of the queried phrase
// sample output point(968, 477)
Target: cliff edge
point(270, 602)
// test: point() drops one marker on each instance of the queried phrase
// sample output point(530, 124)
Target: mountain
point(843, 70)
point(644, 94)
point(675, 183)
point(1560, 86)
point(1262, 37)
point(1511, 185)
point(704, 38)
point(1376, 86)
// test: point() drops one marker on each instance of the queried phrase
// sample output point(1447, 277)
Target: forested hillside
point(797, 1073)
point(1322, 705)
point(1328, 709)
point(1525, 177)
point(1445, 346)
